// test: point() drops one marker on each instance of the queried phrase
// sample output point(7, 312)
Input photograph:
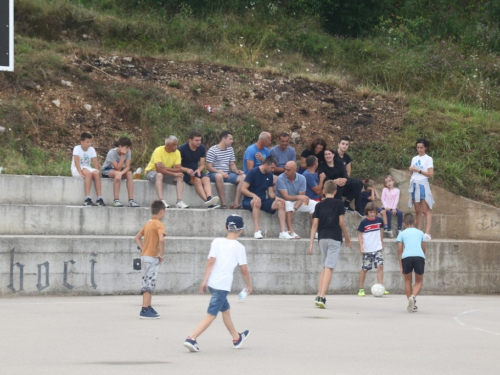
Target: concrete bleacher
point(50, 244)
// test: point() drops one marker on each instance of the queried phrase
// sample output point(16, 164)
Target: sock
point(99, 197)
point(386, 227)
point(131, 199)
point(117, 200)
point(87, 197)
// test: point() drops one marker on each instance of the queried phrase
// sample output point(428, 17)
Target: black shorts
point(413, 264)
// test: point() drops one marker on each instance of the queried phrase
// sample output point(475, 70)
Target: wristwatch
point(420, 171)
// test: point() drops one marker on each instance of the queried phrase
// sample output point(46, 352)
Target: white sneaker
point(285, 236)
point(294, 235)
point(166, 204)
point(181, 204)
point(316, 235)
point(411, 304)
point(427, 237)
point(388, 232)
point(258, 235)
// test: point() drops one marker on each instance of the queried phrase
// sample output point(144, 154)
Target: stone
point(295, 136)
point(87, 107)
point(57, 103)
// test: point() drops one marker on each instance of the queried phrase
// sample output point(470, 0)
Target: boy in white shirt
point(225, 254)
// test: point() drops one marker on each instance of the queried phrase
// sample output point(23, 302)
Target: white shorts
point(303, 208)
point(75, 173)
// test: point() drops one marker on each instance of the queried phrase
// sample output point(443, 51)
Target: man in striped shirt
point(222, 168)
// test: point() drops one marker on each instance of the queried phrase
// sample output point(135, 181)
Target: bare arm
point(208, 270)
point(382, 237)
point(348, 169)
point(360, 239)
point(250, 164)
point(303, 164)
point(302, 197)
point(161, 245)
point(76, 158)
point(344, 231)
point(314, 229)
point(233, 168)
point(246, 276)
point(95, 161)
point(319, 187)
point(138, 240)
point(176, 171)
point(400, 254)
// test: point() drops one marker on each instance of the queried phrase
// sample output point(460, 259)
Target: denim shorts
point(232, 177)
point(422, 192)
point(218, 302)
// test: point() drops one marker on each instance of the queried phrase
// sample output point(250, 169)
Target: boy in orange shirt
point(152, 253)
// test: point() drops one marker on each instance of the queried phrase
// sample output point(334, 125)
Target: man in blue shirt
point(255, 154)
point(313, 181)
point(283, 153)
point(258, 182)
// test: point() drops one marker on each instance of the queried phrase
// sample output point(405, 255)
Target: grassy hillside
point(448, 87)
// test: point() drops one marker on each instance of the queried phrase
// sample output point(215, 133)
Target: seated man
point(291, 186)
point(256, 153)
point(283, 153)
point(193, 164)
point(258, 182)
point(314, 182)
point(353, 187)
point(222, 168)
point(165, 167)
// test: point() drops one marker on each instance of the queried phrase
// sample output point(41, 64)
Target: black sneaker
point(349, 209)
point(322, 303)
point(99, 202)
point(213, 207)
point(154, 311)
point(211, 201)
point(192, 345)
point(243, 336)
point(88, 202)
point(317, 301)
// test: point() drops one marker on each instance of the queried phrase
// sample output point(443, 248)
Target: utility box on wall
point(7, 35)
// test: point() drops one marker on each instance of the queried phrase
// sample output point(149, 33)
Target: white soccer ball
point(378, 290)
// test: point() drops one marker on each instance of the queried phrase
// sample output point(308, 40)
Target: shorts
point(187, 178)
point(167, 179)
point(369, 259)
point(330, 250)
point(232, 177)
point(105, 172)
point(74, 171)
point(422, 192)
point(413, 264)
point(218, 302)
point(150, 267)
point(265, 205)
point(289, 206)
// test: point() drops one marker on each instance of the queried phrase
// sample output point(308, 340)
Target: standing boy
point(80, 167)
point(328, 221)
point(371, 245)
point(411, 255)
point(225, 254)
point(152, 253)
point(117, 167)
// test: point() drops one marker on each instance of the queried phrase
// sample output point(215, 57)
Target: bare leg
point(207, 187)
point(179, 186)
point(418, 214)
point(87, 181)
point(116, 183)
point(281, 214)
point(256, 214)
point(159, 186)
point(228, 322)
point(219, 184)
point(362, 277)
point(97, 183)
point(289, 221)
point(327, 278)
point(408, 280)
point(197, 183)
point(130, 185)
point(419, 279)
point(146, 299)
point(428, 217)
point(202, 326)
point(237, 195)
point(383, 213)
point(320, 282)
point(380, 274)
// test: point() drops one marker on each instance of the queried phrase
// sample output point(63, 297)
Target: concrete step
point(126, 221)
point(52, 190)
point(99, 265)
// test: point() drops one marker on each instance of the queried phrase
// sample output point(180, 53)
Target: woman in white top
point(422, 168)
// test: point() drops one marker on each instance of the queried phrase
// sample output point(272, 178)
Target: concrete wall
point(103, 265)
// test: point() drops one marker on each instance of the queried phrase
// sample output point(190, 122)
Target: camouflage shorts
point(150, 267)
point(369, 259)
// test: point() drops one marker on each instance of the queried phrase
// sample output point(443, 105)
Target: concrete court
point(289, 335)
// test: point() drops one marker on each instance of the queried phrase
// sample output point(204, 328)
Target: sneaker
point(386, 292)
point(317, 301)
point(294, 235)
point(316, 235)
point(117, 204)
point(153, 311)
point(223, 207)
point(415, 308)
point(388, 232)
point(132, 203)
point(322, 303)
point(258, 235)
point(181, 205)
point(213, 207)
point(349, 209)
point(427, 237)
point(88, 202)
point(211, 201)
point(361, 292)
point(148, 314)
point(285, 236)
point(100, 202)
point(192, 345)
point(166, 204)
point(243, 336)
point(411, 304)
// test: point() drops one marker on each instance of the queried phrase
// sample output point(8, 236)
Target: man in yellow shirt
point(165, 167)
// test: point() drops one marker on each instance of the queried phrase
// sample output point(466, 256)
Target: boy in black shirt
point(328, 221)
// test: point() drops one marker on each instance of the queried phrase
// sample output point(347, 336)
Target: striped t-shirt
point(220, 158)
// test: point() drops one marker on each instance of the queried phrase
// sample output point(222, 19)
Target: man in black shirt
point(353, 187)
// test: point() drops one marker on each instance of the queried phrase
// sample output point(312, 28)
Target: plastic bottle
point(243, 294)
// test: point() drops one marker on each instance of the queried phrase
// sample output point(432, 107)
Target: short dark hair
point(311, 160)
point(156, 207)
point(224, 134)
point(424, 141)
point(124, 141)
point(85, 136)
point(330, 187)
point(344, 138)
point(368, 183)
point(370, 207)
point(194, 133)
point(317, 141)
point(408, 218)
point(284, 135)
point(270, 160)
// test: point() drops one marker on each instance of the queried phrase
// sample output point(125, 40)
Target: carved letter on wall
point(21, 273)
point(39, 285)
point(65, 277)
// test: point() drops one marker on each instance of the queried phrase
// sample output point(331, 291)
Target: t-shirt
point(151, 232)
point(113, 156)
point(259, 183)
point(328, 212)
point(250, 155)
point(295, 187)
point(423, 163)
point(332, 173)
point(412, 239)
point(283, 157)
point(168, 159)
point(371, 234)
point(306, 153)
point(312, 180)
point(228, 254)
point(85, 156)
point(346, 159)
point(390, 198)
point(189, 158)
point(220, 158)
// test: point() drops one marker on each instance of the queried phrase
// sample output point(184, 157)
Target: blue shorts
point(218, 302)
point(232, 177)
point(187, 178)
point(265, 205)
point(422, 192)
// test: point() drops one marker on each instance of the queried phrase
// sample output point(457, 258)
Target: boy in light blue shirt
point(411, 255)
